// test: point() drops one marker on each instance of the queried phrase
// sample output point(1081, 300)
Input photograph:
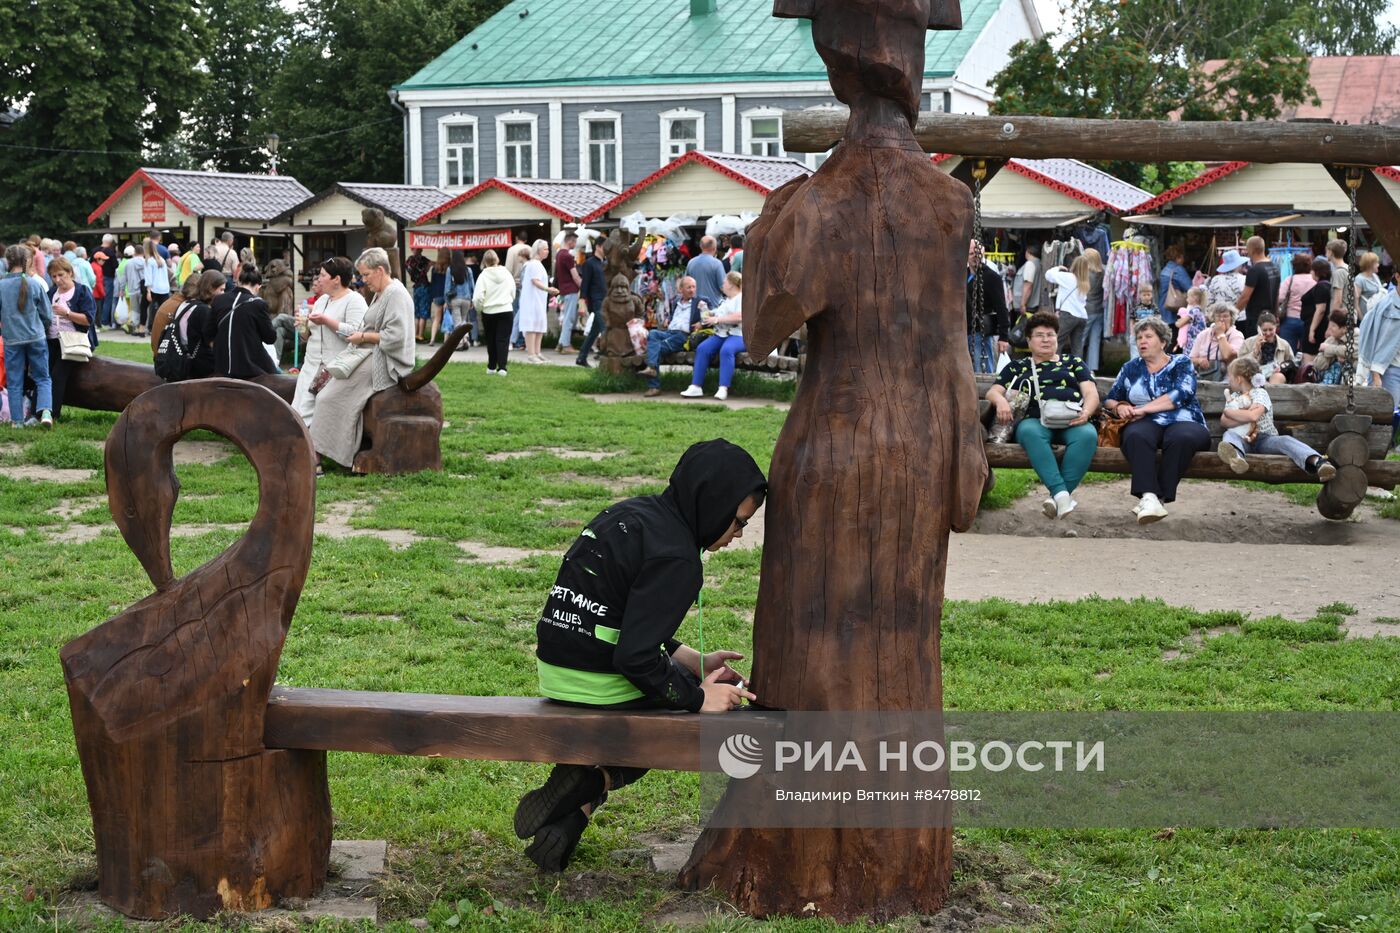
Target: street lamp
point(272, 148)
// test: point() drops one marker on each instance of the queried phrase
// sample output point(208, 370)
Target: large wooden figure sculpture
point(880, 457)
point(191, 814)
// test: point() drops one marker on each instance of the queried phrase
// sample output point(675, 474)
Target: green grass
point(424, 619)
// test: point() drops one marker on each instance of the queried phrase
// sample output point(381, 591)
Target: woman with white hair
point(535, 292)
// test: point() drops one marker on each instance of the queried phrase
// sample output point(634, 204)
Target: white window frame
point(760, 113)
point(458, 119)
point(671, 116)
point(518, 116)
point(600, 116)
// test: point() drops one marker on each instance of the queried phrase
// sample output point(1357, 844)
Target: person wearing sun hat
point(1227, 284)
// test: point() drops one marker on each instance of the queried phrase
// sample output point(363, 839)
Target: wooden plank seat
point(492, 729)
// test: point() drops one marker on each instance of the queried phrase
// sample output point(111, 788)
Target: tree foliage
point(247, 48)
point(331, 96)
point(103, 84)
point(1147, 59)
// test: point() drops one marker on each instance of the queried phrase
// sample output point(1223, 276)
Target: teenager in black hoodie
point(607, 633)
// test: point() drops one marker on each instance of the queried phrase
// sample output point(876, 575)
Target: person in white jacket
point(494, 298)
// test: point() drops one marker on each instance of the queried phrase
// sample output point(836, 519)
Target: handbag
point(1176, 298)
point(1054, 414)
point(698, 337)
point(347, 361)
point(74, 346)
point(1020, 402)
point(1017, 335)
point(1110, 428)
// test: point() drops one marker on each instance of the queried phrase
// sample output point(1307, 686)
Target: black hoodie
point(608, 628)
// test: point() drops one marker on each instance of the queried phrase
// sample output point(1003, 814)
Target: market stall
point(199, 207)
point(332, 223)
point(705, 184)
point(527, 209)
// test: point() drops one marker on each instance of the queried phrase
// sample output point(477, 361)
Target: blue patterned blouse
point(1137, 386)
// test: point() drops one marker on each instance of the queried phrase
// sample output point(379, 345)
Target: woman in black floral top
point(1063, 378)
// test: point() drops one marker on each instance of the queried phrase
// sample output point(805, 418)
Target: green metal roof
point(578, 42)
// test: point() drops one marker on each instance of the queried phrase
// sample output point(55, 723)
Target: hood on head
point(711, 481)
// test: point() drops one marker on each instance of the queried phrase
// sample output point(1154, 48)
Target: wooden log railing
point(1027, 137)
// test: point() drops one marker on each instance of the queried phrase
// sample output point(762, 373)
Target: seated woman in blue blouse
point(1156, 393)
point(1066, 379)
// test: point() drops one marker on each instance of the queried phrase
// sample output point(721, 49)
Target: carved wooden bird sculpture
point(191, 814)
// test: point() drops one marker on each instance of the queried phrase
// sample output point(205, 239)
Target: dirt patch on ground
point(69, 509)
point(732, 403)
point(337, 525)
point(563, 453)
point(203, 453)
point(497, 554)
point(46, 474)
point(615, 485)
point(1214, 530)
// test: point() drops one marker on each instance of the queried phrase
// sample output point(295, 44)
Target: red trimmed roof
point(567, 199)
point(1350, 89)
point(1207, 177)
point(217, 194)
point(1074, 179)
point(138, 175)
point(763, 174)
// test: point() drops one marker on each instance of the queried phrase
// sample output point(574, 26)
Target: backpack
point(174, 359)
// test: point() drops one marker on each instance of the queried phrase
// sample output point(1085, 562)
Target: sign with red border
point(152, 204)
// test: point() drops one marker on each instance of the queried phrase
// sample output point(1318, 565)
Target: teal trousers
point(1080, 443)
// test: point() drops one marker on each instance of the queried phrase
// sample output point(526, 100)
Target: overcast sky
point(1049, 11)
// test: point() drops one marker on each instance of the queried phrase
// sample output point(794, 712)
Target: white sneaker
point(1064, 505)
point(693, 392)
point(1048, 508)
point(1150, 510)
point(1232, 457)
point(722, 393)
point(501, 372)
point(490, 371)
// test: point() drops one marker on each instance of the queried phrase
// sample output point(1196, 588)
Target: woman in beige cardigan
point(380, 352)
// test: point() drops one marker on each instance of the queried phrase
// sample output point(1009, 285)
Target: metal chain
point(979, 172)
point(1349, 294)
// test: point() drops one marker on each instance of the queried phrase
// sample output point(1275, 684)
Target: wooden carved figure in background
point(379, 232)
point(278, 286)
point(880, 457)
point(191, 813)
point(619, 307)
point(620, 255)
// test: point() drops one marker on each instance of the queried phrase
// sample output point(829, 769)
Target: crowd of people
point(1241, 327)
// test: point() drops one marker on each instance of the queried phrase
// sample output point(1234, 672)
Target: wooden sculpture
point(880, 457)
point(278, 288)
point(403, 425)
point(620, 255)
point(619, 307)
point(191, 814)
point(379, 232)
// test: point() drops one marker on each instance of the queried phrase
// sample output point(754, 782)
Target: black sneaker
point(584, 363)
point(568, 788)
point(555, 843)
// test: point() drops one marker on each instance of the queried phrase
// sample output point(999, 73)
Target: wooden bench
point(491, 728)
point(1315, 414)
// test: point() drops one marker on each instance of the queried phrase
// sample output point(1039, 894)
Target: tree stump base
point(403, 432)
